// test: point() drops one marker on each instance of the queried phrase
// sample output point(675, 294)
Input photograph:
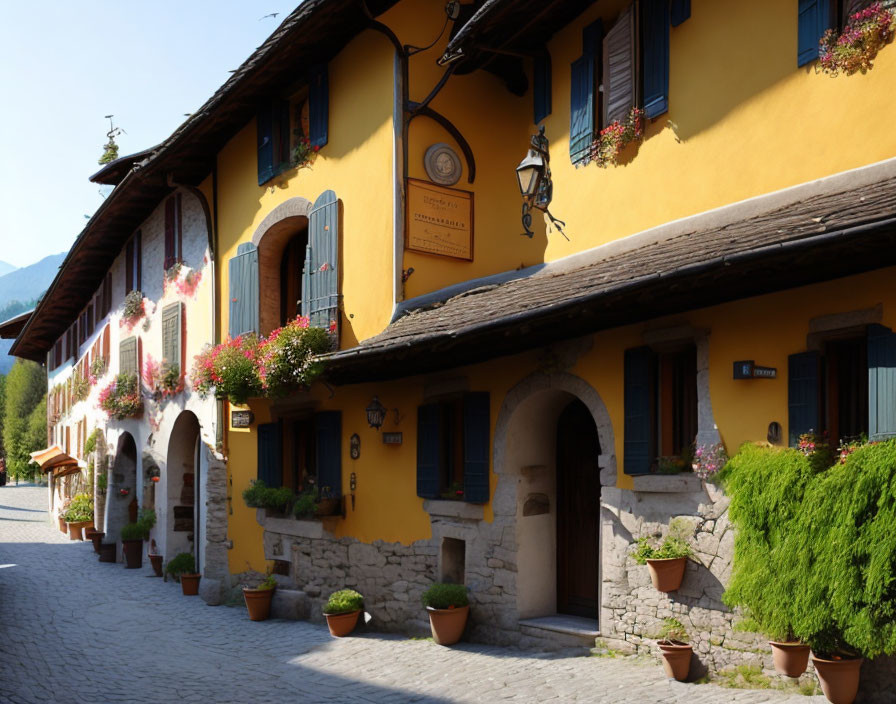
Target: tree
point(2, 409)
point(26, 385)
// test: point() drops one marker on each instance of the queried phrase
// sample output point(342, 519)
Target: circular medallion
point(442, 164)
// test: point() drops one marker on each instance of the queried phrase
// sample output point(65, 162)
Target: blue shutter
point(681, 11)
point(814, 17)
point(541, 93)
point(270, 454)
point(264, 122)
point(581, 109)
point(639, 446)
point(803, 395)
point(655, 56)
point(320, 280)
point(429, 429)
point(283, 135)
point(881, 383)
point(477, 436)
point(244, 290)
point(328, 450)
point(318, 106)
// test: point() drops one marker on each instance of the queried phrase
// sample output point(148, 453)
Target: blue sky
point(64, 65)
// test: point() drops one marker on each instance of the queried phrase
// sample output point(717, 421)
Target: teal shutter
point(803, 395)
point(265, 124)
point(881, 383)
point(244, 290)
point(541, 92)
point(128, 362)
point(320, 280)
point(814, 17)
point(581, 98)
point(328, 449)
point(171, 335)
point(477, 435)
point(318, 106)
point(681, 11)
point(270, 454)
point(639, 437)
point(282, 135)
point(429, 443)
point(655, 56)
point(620, 77)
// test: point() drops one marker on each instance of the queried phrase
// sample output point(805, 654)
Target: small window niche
point(453, 561)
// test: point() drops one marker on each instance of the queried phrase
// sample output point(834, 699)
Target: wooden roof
point(10, 329)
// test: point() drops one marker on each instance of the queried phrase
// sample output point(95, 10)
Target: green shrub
point(673, 629)
point(442, 595)
point(675, 545)
point(134, 531)
point(182, 563)
point(80, 509)
point(258, 495)
point(344, 601)
point(90, 444)
point(305, 505)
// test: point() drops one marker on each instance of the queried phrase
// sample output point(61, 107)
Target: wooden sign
point(392, 438)
point(748, 369)
point(440, 220)
point(241, 419)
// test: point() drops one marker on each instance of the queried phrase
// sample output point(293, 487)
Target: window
point(107, 295)
point(817, 16)
point(453, 441)
point(660, 405)
point(57, 352)
point(172, 329)
point(618, 70)
point(133, 264)
point(129, 356)
point(301, 453)
point(174, 224)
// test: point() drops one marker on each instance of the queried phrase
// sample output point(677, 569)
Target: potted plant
point(666, 563)
point(79, 516)
point(342, 610)
point(789, 655)
point(836, 666)
point(155, 559)
point(183, 568)
point(107, 552)
point(275, 499)
point(97, 538)
point(258, 599)
point(328, 502)
point(133, 535)
point(673, 644)
point(448, 607)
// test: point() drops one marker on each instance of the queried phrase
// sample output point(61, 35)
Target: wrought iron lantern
point(376, 414)
point(536, 187)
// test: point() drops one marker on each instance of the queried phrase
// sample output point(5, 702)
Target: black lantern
point(376, 414)
point(529, 173)
point(536, 188)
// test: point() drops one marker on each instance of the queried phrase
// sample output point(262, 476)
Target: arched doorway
point(184, 495)
point(123, 479)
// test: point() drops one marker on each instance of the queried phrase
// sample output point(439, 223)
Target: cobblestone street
point(75, 630)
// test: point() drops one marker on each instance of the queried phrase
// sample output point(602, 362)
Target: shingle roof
point(821, 237)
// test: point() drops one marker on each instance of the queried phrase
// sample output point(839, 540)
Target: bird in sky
point(273, 14)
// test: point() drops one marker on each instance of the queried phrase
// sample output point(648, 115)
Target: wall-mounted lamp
point(376, 414)
point(536, 187)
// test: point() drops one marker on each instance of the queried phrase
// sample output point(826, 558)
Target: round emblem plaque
point(442, 164)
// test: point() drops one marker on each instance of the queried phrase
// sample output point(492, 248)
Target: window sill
point(454, 509)
point(685, 483)
point(310, 528)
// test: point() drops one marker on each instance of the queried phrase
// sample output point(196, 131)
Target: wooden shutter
point(655, 56)
point(107, 294)
point(128, 362)
point(106, 344)
point(171, 335)
point(681, 11)
point(129, 266)
point(477, 437)
point(541, 92)
point(320, 280)
point(803, 394)
point(270, 454)
point(318, 106)
point(639, 444)
point(814, 17)
point(244, 290)
point(429, 443)
point(328, 450)
point(581, 107)
point(881, 383)
point(282, 135)
point(264, 124)
point(620, 68)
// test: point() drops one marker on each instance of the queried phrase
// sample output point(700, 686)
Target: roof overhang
point(10, 329)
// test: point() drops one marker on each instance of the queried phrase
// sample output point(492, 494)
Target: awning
point(54, 458)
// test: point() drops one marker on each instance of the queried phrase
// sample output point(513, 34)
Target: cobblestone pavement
point(75, 630)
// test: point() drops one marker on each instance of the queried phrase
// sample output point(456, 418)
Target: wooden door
point(578, 512)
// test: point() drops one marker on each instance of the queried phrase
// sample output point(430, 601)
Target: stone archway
point(184, 531)
point(123, 477)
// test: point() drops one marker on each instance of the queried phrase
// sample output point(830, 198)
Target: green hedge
point(815, 551)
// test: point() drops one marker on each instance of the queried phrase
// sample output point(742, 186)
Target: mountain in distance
point(6, 267)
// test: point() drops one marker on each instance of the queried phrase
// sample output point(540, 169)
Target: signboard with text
point(440, 220)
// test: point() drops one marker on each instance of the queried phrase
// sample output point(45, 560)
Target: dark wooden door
point(578, 511)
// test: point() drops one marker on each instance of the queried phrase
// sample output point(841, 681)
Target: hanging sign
point(440, 220)
point(241, 419)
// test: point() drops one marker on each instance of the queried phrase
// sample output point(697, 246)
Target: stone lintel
point(454, 509)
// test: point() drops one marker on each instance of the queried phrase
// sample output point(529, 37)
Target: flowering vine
point(303, 154)
point(134, 309)
point(183, 279)
point(121, 398)
point(709, 460)
point(615, 137)
point(162, 380)
point(854, 49)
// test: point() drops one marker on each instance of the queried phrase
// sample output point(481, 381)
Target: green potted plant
point(132, 537)
point(837, 667)
point(183, 568)
point(448, 607)
point(342, 611)
point(275, 499)
point(673, 644)
point(155, 559)
point(79, 515)
point(666, 563)
point(258, 599)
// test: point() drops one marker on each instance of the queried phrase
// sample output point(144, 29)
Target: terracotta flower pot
point(189, 584)
point(839, 678)
point(63, 526)
point(327, 507)
point(133, 554)
point(107, 552)
point(676, 659)
point(342, 624)
point(97, 538)
point(156, 562)
point(667, 574)
point(258, 603)
point(447, 624)
point(790, 658)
